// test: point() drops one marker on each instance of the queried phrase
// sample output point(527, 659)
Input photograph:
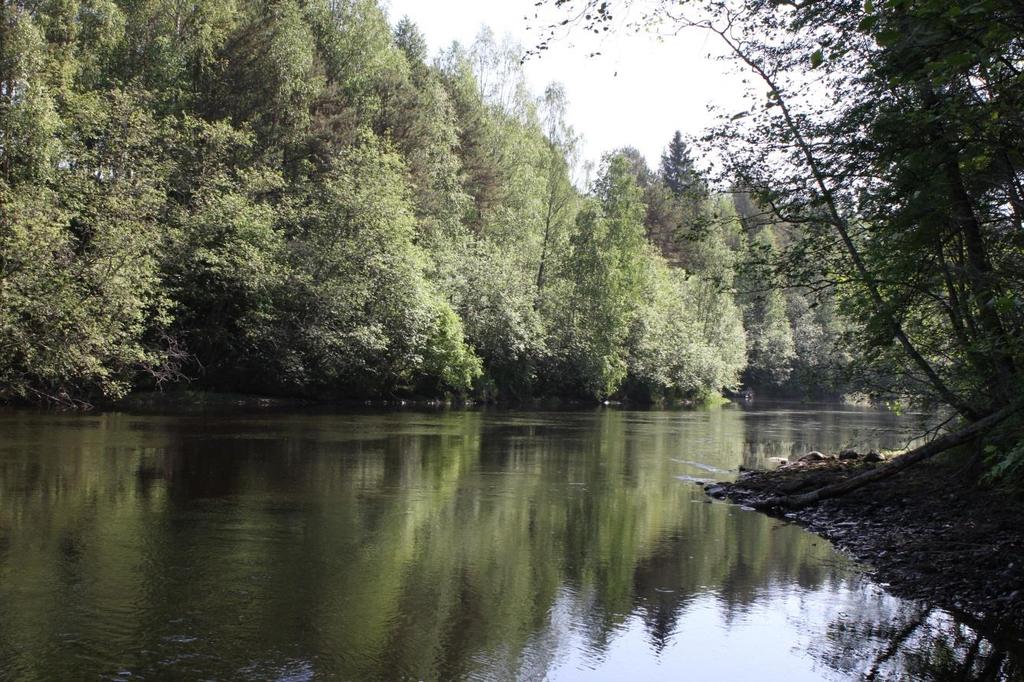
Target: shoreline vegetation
point(297, 199)
point(174, 399)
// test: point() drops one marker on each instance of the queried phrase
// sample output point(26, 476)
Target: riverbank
point(207, 399)
point(929, 533)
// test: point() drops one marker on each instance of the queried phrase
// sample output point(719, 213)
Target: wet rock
point(815, 456)
point(716, 490)
point(874, 456)
point(846, 455)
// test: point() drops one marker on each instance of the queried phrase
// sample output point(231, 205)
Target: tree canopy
point(296, 198)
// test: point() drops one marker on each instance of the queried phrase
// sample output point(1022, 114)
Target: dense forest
point(293, 197)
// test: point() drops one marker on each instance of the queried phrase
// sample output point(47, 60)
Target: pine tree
point(412, 42)
point(677, 168)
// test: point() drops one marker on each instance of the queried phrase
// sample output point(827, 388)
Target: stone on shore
point(815, 456)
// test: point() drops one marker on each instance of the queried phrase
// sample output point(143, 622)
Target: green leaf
point(888, 38)
point(816, 59)
point(867, 24)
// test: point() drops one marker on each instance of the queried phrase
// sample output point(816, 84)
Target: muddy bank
point(926, 533)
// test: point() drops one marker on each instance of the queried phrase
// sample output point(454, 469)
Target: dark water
point(457, 544)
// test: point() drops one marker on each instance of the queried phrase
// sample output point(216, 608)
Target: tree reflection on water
point(438, 545)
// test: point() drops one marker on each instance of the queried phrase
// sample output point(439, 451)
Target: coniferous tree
point(677, 169)
point(411, 41)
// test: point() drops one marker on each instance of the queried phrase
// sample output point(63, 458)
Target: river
point(288, 544)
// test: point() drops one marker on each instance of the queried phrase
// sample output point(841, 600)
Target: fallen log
point(926, 451)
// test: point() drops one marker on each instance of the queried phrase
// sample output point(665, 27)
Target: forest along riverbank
point(928, 533)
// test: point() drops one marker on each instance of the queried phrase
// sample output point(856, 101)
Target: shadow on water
point(448, 544)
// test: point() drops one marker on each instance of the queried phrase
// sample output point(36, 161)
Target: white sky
point(637, 93)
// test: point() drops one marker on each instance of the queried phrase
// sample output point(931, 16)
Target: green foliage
point(79, 286)
point(1006, 464)
point(446, 355)
point(266, 75)
point(357, 310)
point(1004, 453)
point(677, 169)
point(497, 305)
point(769, 330)
point(412, 42)
point(224, 259)
point(607, 270)
point(677, 351)
point(285, 196)
point(28, 118)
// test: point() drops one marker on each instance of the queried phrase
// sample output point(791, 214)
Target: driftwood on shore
point(926, 451)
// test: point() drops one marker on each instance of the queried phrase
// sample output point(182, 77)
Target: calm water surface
point(278, 545)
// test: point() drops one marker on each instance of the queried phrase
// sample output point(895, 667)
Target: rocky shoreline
point(926, 533)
